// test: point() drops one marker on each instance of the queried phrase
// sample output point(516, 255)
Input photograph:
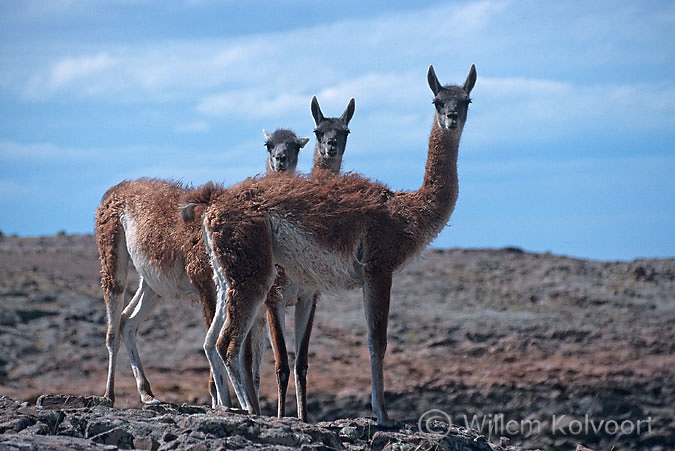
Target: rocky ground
point(60, 422)
point(544, 350)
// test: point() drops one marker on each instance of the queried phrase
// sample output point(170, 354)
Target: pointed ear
point(266, 134)
point(470, 80)
point(433, 80)
point(349, 111)
point(316, 111)
point(302, 142)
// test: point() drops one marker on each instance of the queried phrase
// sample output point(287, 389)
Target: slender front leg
point(276, 321)
point(304, 318)
point(376, 297)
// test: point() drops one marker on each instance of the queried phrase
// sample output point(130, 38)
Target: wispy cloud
point(76, 70)
point(193, 127)
point(251, 104)
point(13, 151)
point(272, 75)
point(294, 58)
point(547, 111)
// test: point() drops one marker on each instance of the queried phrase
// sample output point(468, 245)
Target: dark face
point(451, 102)
point(283, 156)
point(331, 137)
point(451, 105)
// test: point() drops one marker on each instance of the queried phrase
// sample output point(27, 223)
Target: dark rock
point(71, 401)
point(62, 426)
point(146, 443)
point(117, 437)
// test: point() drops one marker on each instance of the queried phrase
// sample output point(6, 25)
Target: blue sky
point(569, 146)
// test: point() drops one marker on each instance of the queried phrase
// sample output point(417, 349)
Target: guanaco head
point(451, 101)
point(331, 132)
point(283, 147)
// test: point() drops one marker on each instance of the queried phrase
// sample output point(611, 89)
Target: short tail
point(199, 196)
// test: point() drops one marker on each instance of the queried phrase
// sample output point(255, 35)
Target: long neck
point(426, 211)
point(440, 187)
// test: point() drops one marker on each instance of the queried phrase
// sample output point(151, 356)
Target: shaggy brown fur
point(330, 233)
point(163, 241)
point(139, 221)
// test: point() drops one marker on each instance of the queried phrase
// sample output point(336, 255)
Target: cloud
point(377, 92)
point(193, 127)
point(74, 70)
point(496, 34)
point(38, 152)
point(179, 68)
point(251, 104)
point(272, 76)
point(158, 72)
point(507, 109)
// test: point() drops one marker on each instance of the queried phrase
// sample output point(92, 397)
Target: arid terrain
point(547, 350)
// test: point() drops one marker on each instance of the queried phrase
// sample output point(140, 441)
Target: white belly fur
point(310, 265)
point(172, 283)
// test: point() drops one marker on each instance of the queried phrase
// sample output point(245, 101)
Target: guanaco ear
point(470, 80)
point(316, 111)
point(266, 134)
point(433, 80)
point(349, 111)
point(302, 141)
